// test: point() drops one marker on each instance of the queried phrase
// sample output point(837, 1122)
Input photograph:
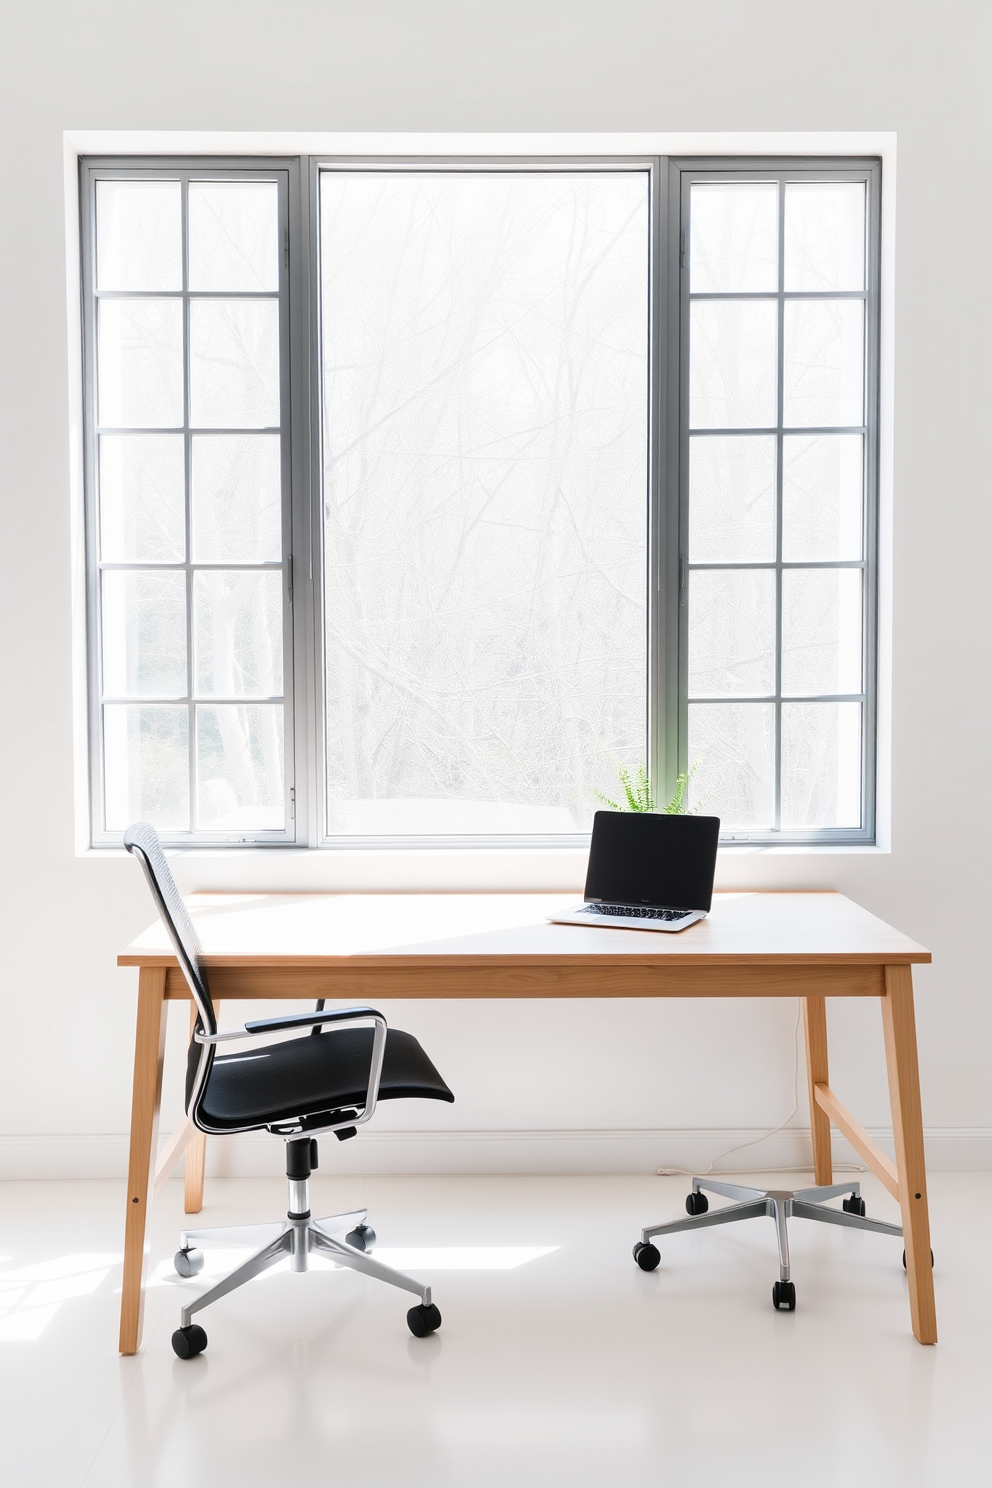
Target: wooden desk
point(371, 947)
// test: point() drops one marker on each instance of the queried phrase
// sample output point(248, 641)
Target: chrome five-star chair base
point(299, 1237)
point(777, 1204)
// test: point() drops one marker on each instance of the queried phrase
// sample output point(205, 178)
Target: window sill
point(466, 870)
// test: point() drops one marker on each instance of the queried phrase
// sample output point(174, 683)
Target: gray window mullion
point(181, 429)
point(719, 699)
point(188, 516)
point(135, 700)
point(750, 563)
point(233, 565)
point(662, 526)
point(290, 720)
point(779, 458)
point(91, 522)
point(870, 498)
point(680, 247)
point(740, 432)
point(775, 294)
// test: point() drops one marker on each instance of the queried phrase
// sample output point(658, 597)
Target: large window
point(422, 497)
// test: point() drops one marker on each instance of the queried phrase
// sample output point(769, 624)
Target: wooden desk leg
point(196, 1153)
point(815, 1018)
point(146, 1097)
point(899, 1024)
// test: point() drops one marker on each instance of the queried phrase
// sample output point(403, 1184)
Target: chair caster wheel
point(696, 1203)
point(362, 1237)
point(188, 1262)
point(904, 1260)
point(188, 1342)
point(854, 1205)
point(784, 1296)
point(646, 1255)
point(423, 1320)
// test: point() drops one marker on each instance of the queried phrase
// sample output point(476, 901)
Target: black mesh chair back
point(141, 839)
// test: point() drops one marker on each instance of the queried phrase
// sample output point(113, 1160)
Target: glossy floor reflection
point(558, 1364)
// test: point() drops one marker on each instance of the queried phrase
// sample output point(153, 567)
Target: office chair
point(296, 1090)
point(777, 1204)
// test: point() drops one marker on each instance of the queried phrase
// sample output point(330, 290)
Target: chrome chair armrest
point(220, 1038)
point(258, 1027)
point(301, 1020)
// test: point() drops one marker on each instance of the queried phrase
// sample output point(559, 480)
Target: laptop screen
point(667, 862)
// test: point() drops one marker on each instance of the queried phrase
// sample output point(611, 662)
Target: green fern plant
point(637, 792)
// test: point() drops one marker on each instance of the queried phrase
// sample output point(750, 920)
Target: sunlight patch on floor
point(30, 1296)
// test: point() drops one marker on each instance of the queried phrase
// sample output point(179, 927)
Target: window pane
point(139, 235)
point(825, 235)
point(821, 497)
point(144, 633)
point(735, 746)
point(142, 498)
point(237, 628)
point(734, 237)
point(141, 363)
point(237, 499)
point(821, 630)
point(233, 235)
point(731, 498)
point(234, 363)
point(731, 632)
point(146, 766)
point(239, 753)
point(732, 364)
point(821, 764)
point(823, 368)
point(485, 366)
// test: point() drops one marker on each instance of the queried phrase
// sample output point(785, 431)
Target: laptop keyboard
point(634, 912)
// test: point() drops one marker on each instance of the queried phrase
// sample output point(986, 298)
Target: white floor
point(558, 1364)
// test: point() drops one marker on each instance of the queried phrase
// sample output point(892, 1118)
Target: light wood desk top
point(444, 931)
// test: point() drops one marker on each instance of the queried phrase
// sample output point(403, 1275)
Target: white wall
point(650, 69)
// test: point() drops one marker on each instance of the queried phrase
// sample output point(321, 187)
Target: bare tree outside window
point(485, 380)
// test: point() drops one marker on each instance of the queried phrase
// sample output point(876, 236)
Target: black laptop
point(647, 872)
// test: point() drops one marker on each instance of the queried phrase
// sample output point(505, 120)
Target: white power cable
point(753, 1141)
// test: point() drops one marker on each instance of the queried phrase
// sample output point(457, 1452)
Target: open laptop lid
point(666, 862)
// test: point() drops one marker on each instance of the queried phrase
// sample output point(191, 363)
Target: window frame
point(666, 683)
point(654, 166)
point(285, 173)
point(683, 173)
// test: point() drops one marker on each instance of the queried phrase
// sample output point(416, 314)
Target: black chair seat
point(309, 1075)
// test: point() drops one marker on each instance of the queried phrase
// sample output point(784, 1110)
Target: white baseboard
point(54, 1156)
